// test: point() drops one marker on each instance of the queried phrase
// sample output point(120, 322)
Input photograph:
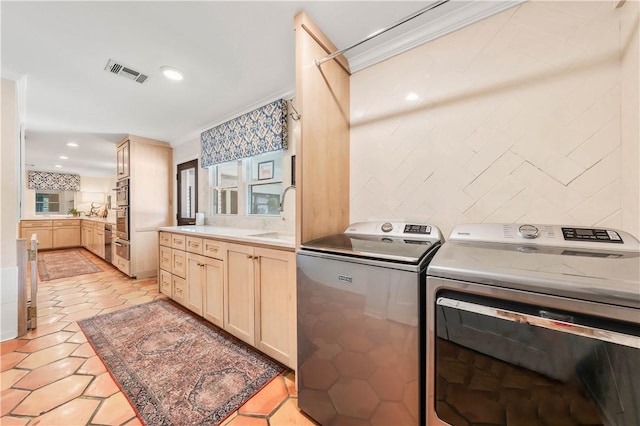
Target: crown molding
point(457, 18)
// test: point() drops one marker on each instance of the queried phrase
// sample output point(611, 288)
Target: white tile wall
point(522, 117)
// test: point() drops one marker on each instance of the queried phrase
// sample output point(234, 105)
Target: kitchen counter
point(243, 235)
point(111, 220)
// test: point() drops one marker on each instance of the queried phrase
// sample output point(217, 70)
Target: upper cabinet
point(122, 158)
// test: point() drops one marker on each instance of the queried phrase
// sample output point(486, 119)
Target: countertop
point(111, 220)
point(242, 235)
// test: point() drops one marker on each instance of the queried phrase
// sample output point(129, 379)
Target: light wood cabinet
point(239, 293)
point(60, 233)
point(250, 291)
point(260, 299)
point(205, 287)
point(122, 159)
point(164, 281)
point(42, 229)
point(66, 233)
point(275, 308)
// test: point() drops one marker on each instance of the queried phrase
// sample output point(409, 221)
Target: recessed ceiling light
point(412, 96)
point(171, 73)
point(63, 157)
point(58, 166)
point(72, 144)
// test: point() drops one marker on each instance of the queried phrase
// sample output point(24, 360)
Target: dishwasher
point(108, 232)
point(360, 300)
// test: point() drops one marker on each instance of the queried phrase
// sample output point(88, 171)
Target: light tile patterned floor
point(52, 376)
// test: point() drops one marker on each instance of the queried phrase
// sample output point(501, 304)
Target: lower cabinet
point(275, 309)
point(239, 293)
point(66, 233)
point(249, 291)
point(205, 293)
point(260, 299)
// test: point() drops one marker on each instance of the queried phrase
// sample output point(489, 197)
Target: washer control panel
point(546, 235)
point(417, 229)
point(591, 234)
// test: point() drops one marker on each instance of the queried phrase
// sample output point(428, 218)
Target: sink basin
point(273, 235)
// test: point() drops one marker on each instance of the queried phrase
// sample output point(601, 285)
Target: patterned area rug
point(176, 368)
point(65, 263)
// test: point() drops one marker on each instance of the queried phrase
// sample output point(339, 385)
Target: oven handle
point(556, 324)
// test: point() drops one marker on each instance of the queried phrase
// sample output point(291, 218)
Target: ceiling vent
point(124, 71)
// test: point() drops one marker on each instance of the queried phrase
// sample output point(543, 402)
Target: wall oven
point(122, 223)
point(534, 324)
point(122, 249)
point(122, 193)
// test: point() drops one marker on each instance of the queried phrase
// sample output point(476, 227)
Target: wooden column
point(323, 100)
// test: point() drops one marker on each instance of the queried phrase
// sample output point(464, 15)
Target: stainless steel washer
point(534, 324)
point(360, 318)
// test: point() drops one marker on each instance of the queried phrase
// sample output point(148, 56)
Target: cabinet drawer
point(165, 239)
point(194, 245)
point(165, 283)
point(71, 222)
point(179, 290)
point(213, 249)
point(178, 241)
point(165, 258)
point(36, 224)
point(122, 264)
point(179, 263)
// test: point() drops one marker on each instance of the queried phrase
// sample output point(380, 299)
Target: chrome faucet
point(283, 195)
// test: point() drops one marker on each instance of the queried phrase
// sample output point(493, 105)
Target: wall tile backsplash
point(521, 117)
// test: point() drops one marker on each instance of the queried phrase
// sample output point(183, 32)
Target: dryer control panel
point(546, 235)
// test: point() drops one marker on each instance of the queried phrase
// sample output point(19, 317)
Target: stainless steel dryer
point(361, 316)
point(534, 324)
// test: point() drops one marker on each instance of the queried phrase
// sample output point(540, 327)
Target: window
point(265, 183)
point(54, 202)
point(187, 192)
point(224, 178)
point(254, 182)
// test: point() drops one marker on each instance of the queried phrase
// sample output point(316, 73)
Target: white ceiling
point(235, 55)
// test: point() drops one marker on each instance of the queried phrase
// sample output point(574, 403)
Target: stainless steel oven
point(122, 223)
point(534, 324)
point(122, 249)
point(122, 193)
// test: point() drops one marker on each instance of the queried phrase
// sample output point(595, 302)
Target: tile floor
point(52, 376)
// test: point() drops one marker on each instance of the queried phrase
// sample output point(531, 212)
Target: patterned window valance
point(54, 181)
point(258, 131)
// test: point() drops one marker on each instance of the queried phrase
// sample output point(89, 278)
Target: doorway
point(187, 192)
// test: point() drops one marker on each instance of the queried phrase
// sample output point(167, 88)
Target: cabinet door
point(67, 236)
point(98, 241)
point(195, 279)
point(214, 291)
point(178, 263)
point(165, 282)
point(239, 293)
point(122, 160)
point(165, 258)
point(275, 304)
point(44, 236)
point(179, 290)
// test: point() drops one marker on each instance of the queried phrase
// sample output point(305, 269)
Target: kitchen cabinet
point(87, 234)
point(43, 230)
point(260, 299)
point(275, 299)
point(93, 237)
point(147, 163)
point(66, 233)
point(250, 291)
point(239, 293)
point(122, 159)
point(205, 287)
point(98, 240)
